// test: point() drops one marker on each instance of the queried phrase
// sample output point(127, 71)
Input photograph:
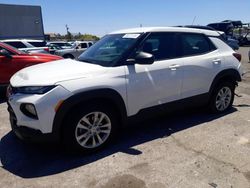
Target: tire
point(83, 133)
point(222, 97)
point(68, 56)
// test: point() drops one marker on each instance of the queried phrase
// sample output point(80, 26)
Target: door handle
point(216, 61)
point(174, 67)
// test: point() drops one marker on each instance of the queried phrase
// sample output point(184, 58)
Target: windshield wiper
point(86, 60)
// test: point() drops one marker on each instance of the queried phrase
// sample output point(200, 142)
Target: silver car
point(77, 49)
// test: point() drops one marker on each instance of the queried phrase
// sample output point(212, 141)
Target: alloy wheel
point(93, 130)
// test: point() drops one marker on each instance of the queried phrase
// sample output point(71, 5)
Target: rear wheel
point(91, 128)
point(222, 97)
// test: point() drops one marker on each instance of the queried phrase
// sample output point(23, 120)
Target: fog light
point(29, 110)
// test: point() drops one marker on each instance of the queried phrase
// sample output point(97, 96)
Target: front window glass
point(84, 45)
point(161, 45)
point(109, 49)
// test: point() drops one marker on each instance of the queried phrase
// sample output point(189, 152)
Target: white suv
point(127, 74)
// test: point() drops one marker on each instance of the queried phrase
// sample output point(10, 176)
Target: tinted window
point(16, 44)
point(194, 44)
point(90, 44)
point(161, 45)
point(84, 45)
point(1, 48)
point(38, 44)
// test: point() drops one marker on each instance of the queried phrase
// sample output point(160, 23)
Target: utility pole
point(67, 28)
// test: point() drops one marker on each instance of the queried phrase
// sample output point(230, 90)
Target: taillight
point(237, 56)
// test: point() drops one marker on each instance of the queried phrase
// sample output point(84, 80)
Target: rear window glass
point(194, 44)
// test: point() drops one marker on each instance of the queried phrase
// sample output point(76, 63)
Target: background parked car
point(62, 44)
point(12, 60)
point(233, 43)
point(226, 27)
point(244, 39)
point(28, 45)
point(53, 48)
point(77, 49)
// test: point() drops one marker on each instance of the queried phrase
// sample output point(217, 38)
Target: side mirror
point(142, 58)
point(5, 53)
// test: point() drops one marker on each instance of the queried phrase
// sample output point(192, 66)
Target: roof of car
point(167, 29)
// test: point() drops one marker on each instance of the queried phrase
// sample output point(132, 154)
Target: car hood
point(45, 55)
point(53, 72)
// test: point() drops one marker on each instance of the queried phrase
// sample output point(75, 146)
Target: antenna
point(193, 20)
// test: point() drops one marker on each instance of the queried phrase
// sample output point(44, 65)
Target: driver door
point(160, 82)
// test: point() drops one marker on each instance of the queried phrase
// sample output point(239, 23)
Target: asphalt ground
point(188, 149)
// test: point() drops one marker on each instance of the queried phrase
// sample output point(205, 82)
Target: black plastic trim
point(225, 74)
point(103, 94)
point(194, 101)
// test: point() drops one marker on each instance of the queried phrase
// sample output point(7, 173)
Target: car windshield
point(108, 51)
point(14, 48)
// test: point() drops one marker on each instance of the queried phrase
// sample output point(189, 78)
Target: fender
point(82, 97)
point(228, 73)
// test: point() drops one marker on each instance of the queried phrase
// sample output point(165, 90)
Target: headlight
point(33, 89)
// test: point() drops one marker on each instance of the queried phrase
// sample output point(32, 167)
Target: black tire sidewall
point(212, 104)
point(69, 127)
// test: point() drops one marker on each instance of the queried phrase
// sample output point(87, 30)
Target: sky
point(100, 17)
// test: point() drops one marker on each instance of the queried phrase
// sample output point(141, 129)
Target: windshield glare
point(109, 49)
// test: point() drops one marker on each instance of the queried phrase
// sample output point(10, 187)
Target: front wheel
point(222, 97)
point(91, 128)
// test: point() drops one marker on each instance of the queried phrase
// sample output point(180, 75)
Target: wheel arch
point(225, 75)
point(109, 96)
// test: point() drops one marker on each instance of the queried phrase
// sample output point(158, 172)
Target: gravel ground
point(185, 149)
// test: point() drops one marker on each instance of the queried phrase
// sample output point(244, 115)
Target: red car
point(12, 60)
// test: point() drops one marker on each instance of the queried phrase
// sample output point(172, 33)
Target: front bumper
point(28, 128)
point(28, 134)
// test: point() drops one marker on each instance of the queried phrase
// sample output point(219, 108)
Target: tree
point(89, 37)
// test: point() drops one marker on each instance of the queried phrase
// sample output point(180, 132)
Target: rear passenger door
point(160, 82)
point(201, 63)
